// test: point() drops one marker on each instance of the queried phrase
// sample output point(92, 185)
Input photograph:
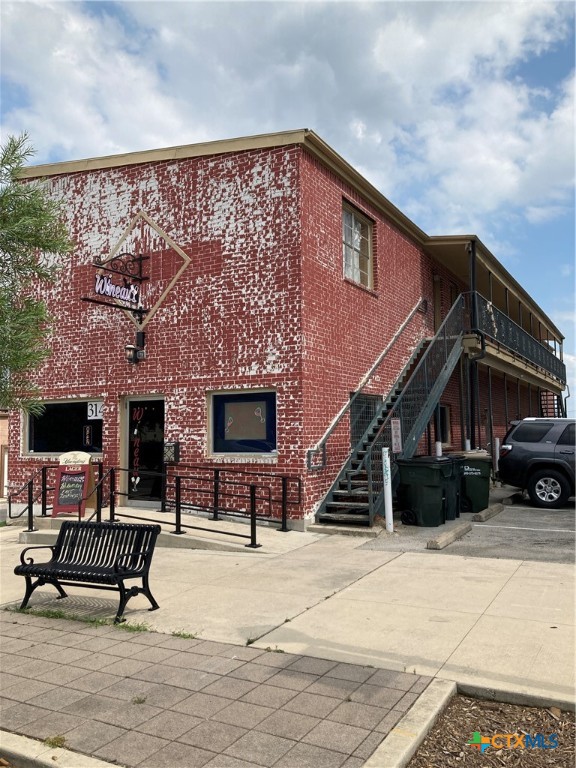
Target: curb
point(515, 697)
point(447, 537)
point(30, 753)
point(343, 530)
point(486, 514)
point(403, 741)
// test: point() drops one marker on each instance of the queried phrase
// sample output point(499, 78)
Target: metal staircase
point(347, 501)
point(551, 405)
point(357, 495)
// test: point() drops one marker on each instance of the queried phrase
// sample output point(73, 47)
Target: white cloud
point(427, 99)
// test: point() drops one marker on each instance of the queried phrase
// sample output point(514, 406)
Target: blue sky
point(461, 113)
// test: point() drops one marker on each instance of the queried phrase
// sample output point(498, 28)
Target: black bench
point(97, 555)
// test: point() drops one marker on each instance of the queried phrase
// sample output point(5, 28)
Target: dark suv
point(538, 455)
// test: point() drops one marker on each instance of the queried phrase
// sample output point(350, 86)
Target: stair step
point(361, 490)
point(343, 518)
point(347, 505)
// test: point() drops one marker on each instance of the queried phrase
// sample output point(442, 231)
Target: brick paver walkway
point(155, 700)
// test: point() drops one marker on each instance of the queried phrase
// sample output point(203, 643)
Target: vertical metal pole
point(462, 403)
point(253, 543)
point(216, 495)
point(112, 494)
point(284, 526)
point(177, 494)
point(44, 491)
point(99, 501)
point(164, 482)
point(30, 507)
point(490, 413)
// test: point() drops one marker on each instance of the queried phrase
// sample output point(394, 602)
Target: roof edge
point(180, 152)
point(492, 264)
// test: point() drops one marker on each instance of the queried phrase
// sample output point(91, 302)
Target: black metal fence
point(188, 490)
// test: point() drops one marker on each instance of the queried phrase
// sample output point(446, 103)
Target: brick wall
point(262, 303)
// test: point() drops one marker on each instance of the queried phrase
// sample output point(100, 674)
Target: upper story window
point(357, 246)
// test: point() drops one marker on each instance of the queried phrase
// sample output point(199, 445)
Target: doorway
point(145, 449)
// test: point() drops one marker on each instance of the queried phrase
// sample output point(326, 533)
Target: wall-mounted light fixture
point(134, 353)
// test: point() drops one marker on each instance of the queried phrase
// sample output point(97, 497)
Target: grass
point(138, 699)
point(55, 742)
point(184, 635)
point(133, 627)
point(274, 650)
point(54, 613)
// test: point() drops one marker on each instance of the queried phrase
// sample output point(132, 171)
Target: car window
point(568, 437)
point(509, 432)
point(532, 431)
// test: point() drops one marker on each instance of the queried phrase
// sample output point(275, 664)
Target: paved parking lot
point(522, 532)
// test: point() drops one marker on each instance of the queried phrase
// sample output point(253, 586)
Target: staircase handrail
point(321, 444)
point(366, 463)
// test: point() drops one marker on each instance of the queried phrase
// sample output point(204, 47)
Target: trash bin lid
point(426, 460)
point(479, 453)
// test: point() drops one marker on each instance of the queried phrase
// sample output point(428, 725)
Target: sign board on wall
point(396, 429)
point(74, 484)
point(95, 410)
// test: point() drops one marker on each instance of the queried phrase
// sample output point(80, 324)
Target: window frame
point(244, 447)
point(349, 270)
point(28, 431)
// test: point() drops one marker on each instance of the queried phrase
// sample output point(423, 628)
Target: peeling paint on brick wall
point(262, 302)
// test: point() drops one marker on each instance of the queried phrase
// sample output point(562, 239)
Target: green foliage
point(32, 236)
point(55, 742)
point(141, 627)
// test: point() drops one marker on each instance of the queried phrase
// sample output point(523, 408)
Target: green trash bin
point(428, 490)
point(475, 471)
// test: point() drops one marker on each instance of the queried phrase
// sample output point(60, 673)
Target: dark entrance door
point(146, 445)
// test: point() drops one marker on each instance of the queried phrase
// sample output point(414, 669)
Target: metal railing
point(215, 492)
point(415, 404)
point(32, 497)
point(499, 328)
point(187, 489)
point(361, 408)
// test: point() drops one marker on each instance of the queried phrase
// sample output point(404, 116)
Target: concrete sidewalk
point(324, 614)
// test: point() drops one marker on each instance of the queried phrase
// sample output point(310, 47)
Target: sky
point(461, 113)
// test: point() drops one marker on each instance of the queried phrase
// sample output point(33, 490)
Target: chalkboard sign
point(74, 489)
point(71, 488)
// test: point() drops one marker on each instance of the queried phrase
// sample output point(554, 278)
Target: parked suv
point(537, 455)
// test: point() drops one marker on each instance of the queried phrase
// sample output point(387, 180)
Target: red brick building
point(277, 283)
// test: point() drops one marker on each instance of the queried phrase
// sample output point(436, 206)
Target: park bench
point(97, 555)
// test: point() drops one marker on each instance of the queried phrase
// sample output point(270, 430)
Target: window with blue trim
point(244, 422)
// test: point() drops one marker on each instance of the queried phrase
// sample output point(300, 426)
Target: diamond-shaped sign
point(163, 276)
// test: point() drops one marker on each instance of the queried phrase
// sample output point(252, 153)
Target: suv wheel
point(548, 488)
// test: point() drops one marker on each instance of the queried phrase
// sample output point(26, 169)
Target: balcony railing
point(498, 327)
